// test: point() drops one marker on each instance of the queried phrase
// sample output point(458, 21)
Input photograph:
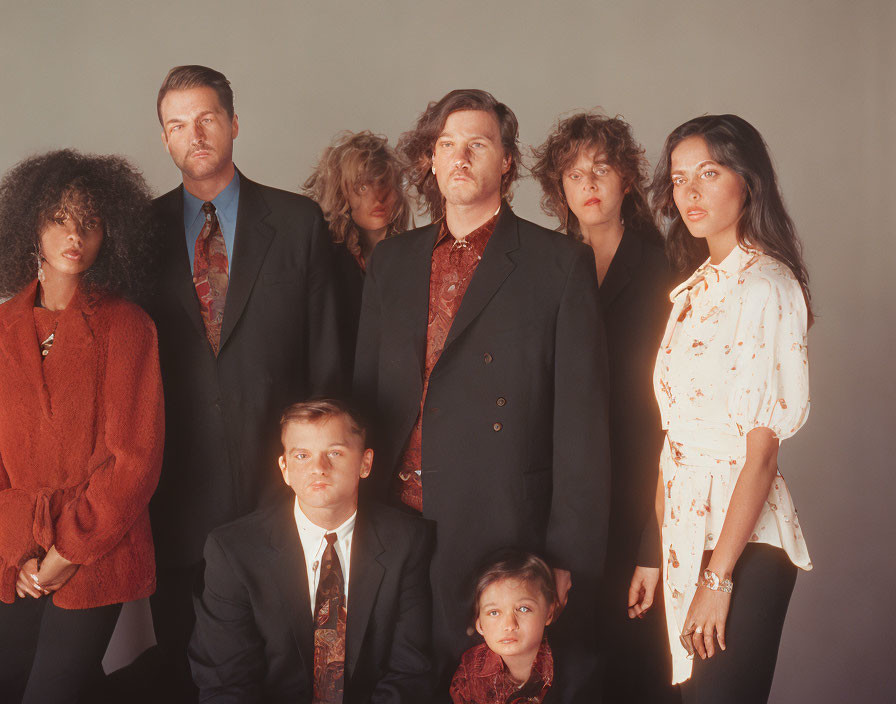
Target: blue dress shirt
point(226, 205)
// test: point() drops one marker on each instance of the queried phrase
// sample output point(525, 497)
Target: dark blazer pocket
point(537, 483)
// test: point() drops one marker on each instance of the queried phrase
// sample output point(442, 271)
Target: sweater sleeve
point(99, 512)
point(17, 544)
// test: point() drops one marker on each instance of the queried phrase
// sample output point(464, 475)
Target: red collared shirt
point(453, 264)
point(482, 678)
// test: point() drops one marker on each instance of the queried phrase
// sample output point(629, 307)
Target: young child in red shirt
point(515, 599)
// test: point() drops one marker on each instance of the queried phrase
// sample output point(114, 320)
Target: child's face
point(512, 617)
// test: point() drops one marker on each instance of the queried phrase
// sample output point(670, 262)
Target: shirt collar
point(222, 202)
point(542, 666)
point(314, 531)
point(488, 225)
point(737, 260)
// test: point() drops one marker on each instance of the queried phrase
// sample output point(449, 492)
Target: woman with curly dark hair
point(358, 185)
point(593, 174)
point(81, 417)
point(732, 382)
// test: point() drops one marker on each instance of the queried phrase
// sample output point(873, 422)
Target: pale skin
point(710, 198)
point(198, 134)
point(594, 192)
point(372, 208)
point(323, 462)
point(469, 160)
point(69, 247)
point(512, 617)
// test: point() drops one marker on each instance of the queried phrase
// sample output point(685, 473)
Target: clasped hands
point(40, 578)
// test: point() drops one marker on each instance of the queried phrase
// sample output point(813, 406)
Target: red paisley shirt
point(453, 264)
point(482, 678)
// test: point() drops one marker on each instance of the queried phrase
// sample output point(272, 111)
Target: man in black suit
point(365, 634)
point(481, 351)
point(246, 319)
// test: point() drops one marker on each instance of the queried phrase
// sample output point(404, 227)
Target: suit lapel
point(491, 272)
point(414, 306)
point(251, 242)
point(291, 578)
point(364, 583)
point(177, 276)
point(625, 261)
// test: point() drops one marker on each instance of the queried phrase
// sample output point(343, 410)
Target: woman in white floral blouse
point(732, 381)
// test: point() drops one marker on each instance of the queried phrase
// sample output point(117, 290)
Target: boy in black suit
point(316, 599)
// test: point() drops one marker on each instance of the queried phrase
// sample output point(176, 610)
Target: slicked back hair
point(323, 409)
point(195, 76)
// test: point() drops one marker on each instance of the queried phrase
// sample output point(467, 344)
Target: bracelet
point(713, 582)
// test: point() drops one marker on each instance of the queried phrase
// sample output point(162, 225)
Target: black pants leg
point(574, 641)
point(173, 619)
point(764, 578)
point(60, 651)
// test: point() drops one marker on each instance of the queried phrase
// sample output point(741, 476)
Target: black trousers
point(764, 578)
point(50, 655)
point(173, 619)
point(638, 665)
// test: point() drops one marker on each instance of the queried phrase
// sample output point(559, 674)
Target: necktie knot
point(209, 209)
point(330, 538)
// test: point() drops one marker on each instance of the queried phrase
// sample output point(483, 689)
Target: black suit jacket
point(635, 301)
point(515, 448)
point(253, 640)
point(279, 344)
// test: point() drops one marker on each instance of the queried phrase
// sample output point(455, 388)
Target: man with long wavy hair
point(481, 352)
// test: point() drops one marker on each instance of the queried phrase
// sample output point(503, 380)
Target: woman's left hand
point(706, 620)
point(55, 571)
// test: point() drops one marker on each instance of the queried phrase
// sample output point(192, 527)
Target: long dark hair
point(764, 222)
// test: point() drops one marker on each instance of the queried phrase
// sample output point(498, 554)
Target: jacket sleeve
point(226, 651)
point(408, 672)
point(326, 372)
point(95, 515)
point(17, 543)
point(577, 528)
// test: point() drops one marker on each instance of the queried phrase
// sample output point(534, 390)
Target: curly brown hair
point(613, 137)
point(355, 159)
point(83, 186)
point(764, 223)
point(416, 146)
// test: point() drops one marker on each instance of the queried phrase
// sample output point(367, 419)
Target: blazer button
point(497, 427)
point(487, 358)
point(501, 401)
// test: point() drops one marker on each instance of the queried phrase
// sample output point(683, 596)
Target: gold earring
point(41, 275)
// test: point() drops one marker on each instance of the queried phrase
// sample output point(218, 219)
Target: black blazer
point(253, 640)
point(350, 280)
point(279, 344)
point(635, 300)
point(515, 448)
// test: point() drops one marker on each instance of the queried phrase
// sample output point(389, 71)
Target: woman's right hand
point(26, 584)
point(642, 590)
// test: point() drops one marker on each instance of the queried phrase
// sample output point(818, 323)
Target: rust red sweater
point(81, 438)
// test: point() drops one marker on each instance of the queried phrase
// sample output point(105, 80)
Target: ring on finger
point(698, 629)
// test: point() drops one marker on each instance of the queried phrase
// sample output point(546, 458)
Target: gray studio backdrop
point(816, 77)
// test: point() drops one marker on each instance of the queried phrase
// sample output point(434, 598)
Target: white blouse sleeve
point(770, 386)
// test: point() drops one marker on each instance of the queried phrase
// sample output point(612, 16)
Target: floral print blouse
point(733, 358)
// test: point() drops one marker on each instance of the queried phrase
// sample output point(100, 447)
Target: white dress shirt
point(314, 544)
